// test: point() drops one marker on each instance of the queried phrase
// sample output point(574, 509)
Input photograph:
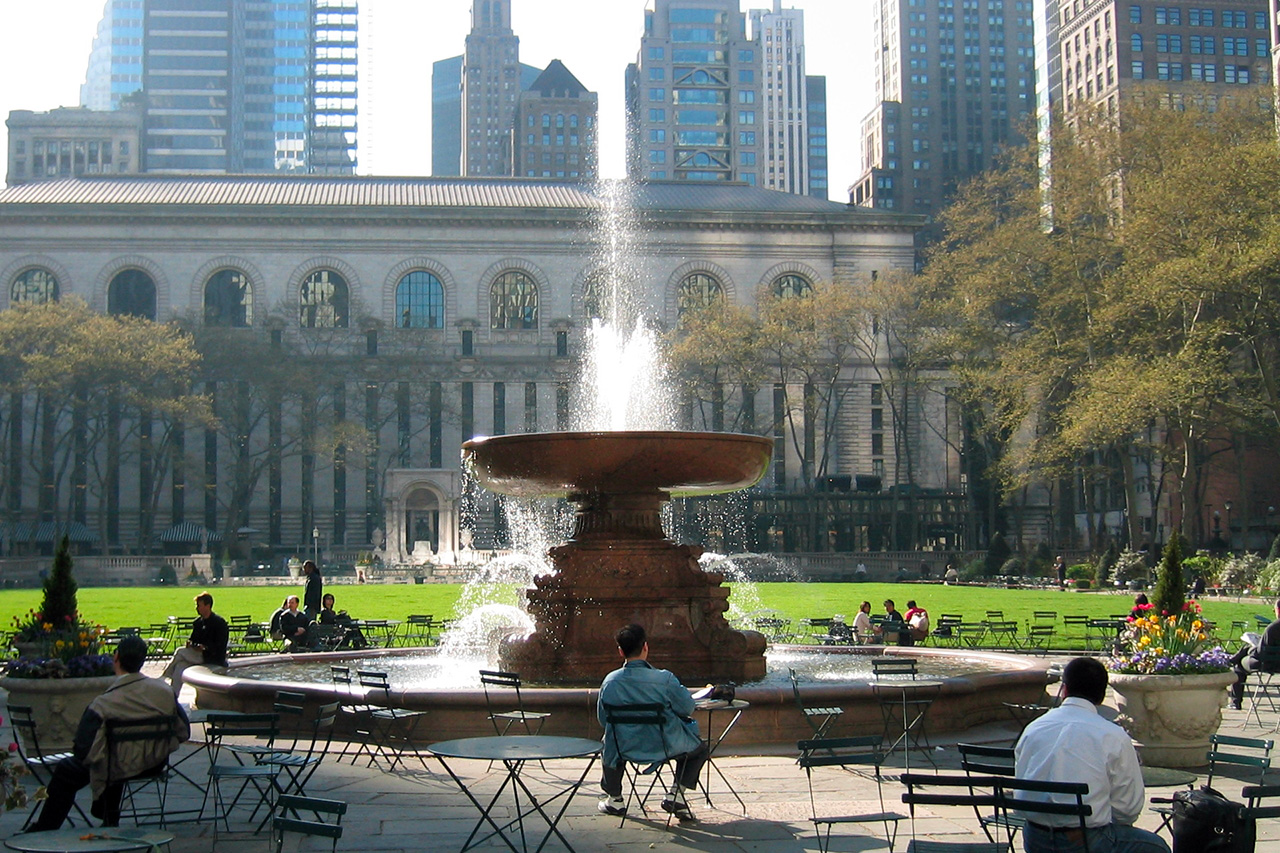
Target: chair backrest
point(995, 615)
point(795, 688)
point(984, 760)
point(375, 683)
point(496, 686)
point(1269, 659)
point(885, 666)
point(221, 725)
point(950, 619)
point(618, 719)
point(1045, 615)
point(846, 753)
point(155, 733)
point(340, 675)
point(1257, 795)
point(23, 721)
point(1067, 799)
point(289, 804)
point(1240, 752)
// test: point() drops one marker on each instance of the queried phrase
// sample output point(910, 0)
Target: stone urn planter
point(1171, 716)
point(56, 705)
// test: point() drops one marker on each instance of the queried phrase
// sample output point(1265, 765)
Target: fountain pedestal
point(619, 567)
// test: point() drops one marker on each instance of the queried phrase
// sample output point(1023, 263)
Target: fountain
point(618, 566)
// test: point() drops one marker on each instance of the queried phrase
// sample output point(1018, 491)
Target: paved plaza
point(418, 809)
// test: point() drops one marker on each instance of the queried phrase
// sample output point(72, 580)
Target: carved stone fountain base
point(600, 587)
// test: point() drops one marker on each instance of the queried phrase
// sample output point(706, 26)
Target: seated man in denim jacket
point(636, 682)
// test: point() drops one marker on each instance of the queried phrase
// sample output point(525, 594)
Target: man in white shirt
point(1072, 743)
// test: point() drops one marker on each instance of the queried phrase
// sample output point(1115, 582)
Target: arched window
point(36, 285)
point(132, 293)
point(322, 301)
point(513, 302)
point(420, 301)
point(595, 295)
point(791, 286)
point(698, 290)
point(228, 300)
point(1135, 42)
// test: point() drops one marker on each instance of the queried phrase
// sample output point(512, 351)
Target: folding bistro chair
point(393, 728)
point(416, 630)
point(154, 733)
point(856, 754)
point(317, 826)
point(982, 760)
point(820, 719)
point(1010, 794)
point(300, 763)
point(1264, 684)
point(358, 722)
point(1254, 754)
point(261, 778)
point(622, 724)
point(496, 686)
point(34, 759)
point(977, 793)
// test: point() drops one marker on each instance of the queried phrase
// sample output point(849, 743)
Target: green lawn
point(117, 606)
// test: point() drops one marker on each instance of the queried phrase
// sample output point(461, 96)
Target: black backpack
point(1204, 821)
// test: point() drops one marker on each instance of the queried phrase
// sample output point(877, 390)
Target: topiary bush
point(59, 605)
point(1170, 592)
point(1106, 563)
point(1040, 561)
point(973, 570)
point(1081, 572)
point(998, 551)
point(1130, 566)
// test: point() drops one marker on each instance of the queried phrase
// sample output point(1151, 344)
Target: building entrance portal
point(422, 516)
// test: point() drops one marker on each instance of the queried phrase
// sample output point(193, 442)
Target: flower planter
point(56, 705)
point(1171, 716)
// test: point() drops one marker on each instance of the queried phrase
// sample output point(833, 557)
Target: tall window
point(322, 301)
point(792, 285)
point(420, 301)
point(513, 302)
point(698, 290)
point(132, 293)
point(228, 300)
point(36, 285)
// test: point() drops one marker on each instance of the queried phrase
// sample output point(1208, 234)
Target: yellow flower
point(1145, 641)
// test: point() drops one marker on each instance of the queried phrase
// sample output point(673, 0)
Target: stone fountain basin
point(772, 721)
point(559, 464)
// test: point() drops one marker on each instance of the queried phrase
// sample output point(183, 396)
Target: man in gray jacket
point(132, 696)
point(636, 682)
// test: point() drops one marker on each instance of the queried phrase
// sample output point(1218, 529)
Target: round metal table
point(85, 840)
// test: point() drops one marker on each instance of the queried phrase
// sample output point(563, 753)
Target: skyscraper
point(817, 110)
point(446, 112)
point(490, 89)
point(555, 128)
point(693, 95)
point(950, 94)
point(779, 36)
point(233, 85)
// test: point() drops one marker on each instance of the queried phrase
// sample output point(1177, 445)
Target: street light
point(315, 544)
point(1227, 506)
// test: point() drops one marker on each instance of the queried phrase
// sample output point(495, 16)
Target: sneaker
point(680, 809)
point(615, 806)
point(1235, 706)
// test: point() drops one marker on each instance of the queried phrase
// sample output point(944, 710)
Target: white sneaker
point(615, 806)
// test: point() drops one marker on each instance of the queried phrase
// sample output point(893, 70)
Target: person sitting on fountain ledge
point(1072, 743)
point(207, 645)
point(636, 682)
point(295, 625)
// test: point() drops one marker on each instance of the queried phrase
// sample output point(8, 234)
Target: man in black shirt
point(1249, 658)
point(313, 592)
point(295, 625)
point(207, 645)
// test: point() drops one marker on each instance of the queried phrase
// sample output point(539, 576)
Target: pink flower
point(13, 747)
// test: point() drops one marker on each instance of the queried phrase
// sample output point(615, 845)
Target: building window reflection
point(132, 293)
point(323, 300)
point(697, 291)
point(36, 285)
point(792, 286)
point(420, 301)
point(513, 302)
point(228, 300)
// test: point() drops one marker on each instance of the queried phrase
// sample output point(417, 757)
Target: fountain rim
point(549, 481)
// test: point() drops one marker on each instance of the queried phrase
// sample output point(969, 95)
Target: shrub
point(1082, 583)
point(59, 605)
point(1274, 553)
point(1040, 561)
point(1130, 566)
point(1269, 577)
point(1241, 571)
point(1081, 572)
point(1106, 563)
point(998, 552)
point(1170, 592)
point(973, 570)
point(166, 576)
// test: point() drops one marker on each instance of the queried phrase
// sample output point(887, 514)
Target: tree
point(59, 607)
point(1170, 592)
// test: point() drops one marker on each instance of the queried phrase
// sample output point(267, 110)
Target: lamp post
point(1227, 506)
point(1208, 511)
point(315, 544)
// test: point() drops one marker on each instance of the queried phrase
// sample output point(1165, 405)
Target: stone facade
point(427, 310)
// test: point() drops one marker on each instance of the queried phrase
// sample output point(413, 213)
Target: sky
point(44, 50)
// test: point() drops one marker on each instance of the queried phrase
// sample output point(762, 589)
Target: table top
point(721, 705)
point(907, 683)
point(82, 840)
point(516, 747)
point(1166, 777)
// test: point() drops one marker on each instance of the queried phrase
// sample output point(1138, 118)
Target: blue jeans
point(1115, 838)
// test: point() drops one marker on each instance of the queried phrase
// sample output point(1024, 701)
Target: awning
point(189, 531)
point(49, 531)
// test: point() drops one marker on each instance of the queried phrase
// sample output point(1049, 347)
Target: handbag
point(1204, 821)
